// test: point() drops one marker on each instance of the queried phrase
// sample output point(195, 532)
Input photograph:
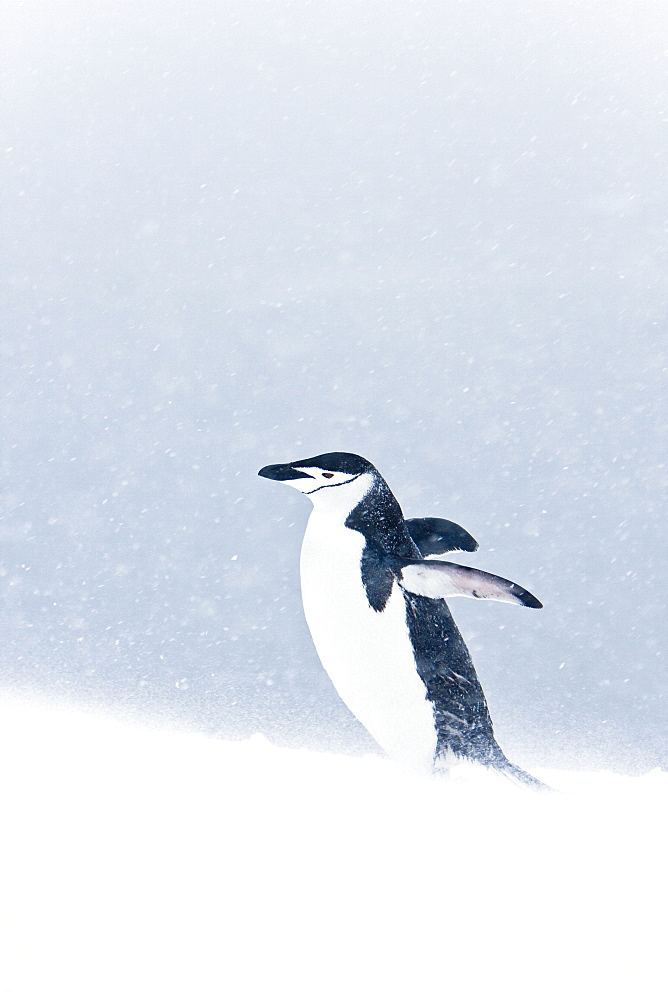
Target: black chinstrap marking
point(330, 486)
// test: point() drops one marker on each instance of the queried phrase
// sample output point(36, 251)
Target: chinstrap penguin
point(379, 621)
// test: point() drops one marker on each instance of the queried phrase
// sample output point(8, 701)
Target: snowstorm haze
point(236, 234)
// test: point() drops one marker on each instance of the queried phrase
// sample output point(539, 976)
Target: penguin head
point(335, 480)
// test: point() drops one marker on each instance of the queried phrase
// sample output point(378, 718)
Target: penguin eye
point(328, 475)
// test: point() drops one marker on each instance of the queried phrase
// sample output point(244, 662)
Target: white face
point(335, 492)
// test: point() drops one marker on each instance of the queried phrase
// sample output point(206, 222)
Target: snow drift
point(146, 863)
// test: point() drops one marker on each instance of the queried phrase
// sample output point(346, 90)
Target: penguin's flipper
point(436, 579)
point(434, 536)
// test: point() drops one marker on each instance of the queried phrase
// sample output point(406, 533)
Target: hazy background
point(236, 233)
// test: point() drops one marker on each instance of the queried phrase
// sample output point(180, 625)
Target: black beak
point(282, 472)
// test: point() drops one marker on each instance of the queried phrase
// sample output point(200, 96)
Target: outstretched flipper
point(434, 536)
point(436, 579)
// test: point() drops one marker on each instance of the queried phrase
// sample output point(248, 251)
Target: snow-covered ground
point(145, 863)
point(244, 233)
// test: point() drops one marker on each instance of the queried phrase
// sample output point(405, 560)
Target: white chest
point(367, 654)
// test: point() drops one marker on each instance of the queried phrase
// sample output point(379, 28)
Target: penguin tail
point(492, 759)
point(520, 777)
